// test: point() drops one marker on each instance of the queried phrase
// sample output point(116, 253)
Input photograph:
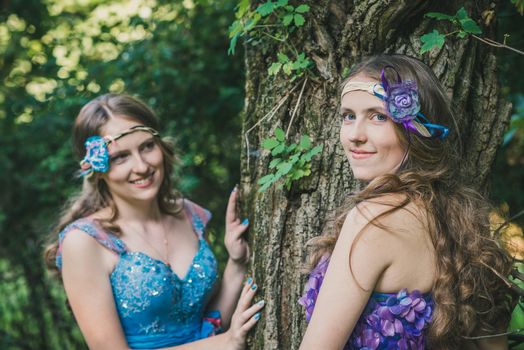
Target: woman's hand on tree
point(234, 240)
point(244, 317)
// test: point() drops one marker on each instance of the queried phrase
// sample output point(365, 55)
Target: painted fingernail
point(254, 287)
point(261, 303)
point(245, 222)
point(249, 280)
point(257, 316)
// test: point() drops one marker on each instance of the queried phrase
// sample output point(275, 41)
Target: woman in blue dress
point(409, 262)
point(132, 254)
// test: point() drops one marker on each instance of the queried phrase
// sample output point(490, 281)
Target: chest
point(148, 292)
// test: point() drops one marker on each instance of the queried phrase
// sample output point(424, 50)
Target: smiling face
point(136, 167)
point(368, 135)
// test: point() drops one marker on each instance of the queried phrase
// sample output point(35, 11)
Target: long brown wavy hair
point(95, 194)
point(470, 300)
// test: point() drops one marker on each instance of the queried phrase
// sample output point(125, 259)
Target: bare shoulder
point(82, 252)
point(78, 245)
point(394, 213)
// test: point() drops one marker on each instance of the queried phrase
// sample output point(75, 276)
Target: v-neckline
point(168, 267)
point(188, 215)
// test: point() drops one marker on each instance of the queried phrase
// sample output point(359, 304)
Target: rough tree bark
point(336, 34)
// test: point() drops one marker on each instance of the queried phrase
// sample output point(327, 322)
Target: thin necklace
point(166, 244)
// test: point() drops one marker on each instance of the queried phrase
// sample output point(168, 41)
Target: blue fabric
point(157, 308)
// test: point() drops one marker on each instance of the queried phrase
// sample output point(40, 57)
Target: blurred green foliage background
point(55, 55)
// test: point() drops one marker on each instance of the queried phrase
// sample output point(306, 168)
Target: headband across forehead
point(401, 102)
point(97, 154)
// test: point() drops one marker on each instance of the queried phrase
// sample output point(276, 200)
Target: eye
point(348, 117)
point(149, 145)
point(380, 117)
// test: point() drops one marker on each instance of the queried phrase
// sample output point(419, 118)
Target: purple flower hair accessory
point(401, 99)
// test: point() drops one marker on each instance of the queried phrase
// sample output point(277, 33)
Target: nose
point(357, 132)
point(140, 165)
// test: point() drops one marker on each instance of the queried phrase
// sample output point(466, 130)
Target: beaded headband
point(97, 154)
point(402, 104)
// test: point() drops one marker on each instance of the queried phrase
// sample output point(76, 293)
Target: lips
point(361, 154)
point(143, 182)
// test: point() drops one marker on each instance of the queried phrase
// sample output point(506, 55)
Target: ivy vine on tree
point(290, 162)
point(274, 20)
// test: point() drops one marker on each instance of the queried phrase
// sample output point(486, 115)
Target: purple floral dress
point(389, 320)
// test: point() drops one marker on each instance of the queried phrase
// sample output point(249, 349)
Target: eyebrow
point(117, 153)
point(367, 110)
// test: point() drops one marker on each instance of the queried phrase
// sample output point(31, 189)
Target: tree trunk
point(336, 34)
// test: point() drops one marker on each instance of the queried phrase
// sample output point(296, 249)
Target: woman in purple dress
point(409, 262)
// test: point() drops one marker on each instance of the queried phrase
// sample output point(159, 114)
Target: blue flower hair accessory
point(97, 153)
point(402, 104)
point(97, 156)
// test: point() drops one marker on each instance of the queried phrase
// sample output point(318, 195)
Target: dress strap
point(92, 228)
point(198, 215)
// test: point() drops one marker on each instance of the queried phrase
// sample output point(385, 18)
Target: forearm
point(230, 288)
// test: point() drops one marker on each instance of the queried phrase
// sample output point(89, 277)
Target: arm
point(85, 274)
point(341, 299)
point(235, 270)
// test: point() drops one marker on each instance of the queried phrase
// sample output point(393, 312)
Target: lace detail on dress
point(389, 320)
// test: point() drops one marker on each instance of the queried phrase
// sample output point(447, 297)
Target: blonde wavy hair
point(470, 299)
point(95, 194)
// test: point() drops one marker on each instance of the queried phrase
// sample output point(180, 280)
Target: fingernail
point(234, 189)
point(254, 287)
point(245, 222)
point(261, 303)
point(249, 280)
point(257, 316)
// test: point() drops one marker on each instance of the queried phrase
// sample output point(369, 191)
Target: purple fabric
point(389, 321)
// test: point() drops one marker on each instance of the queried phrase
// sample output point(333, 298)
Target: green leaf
point(243, 7)
point(305, 142)
point(266, 8)
point(439, 15)
point(269, 144)
point(274, 163)
point(287, 19)
point(265, 186)
point(298, 174)
point(274, 68)
point(281, 3)
point(469, 26)
point(284, 168)
point(461, 14)
point(462, 34)
point(280, 134)
point(299, 20)
point(302, 8)
point(266, 179)
point(289, 8)
point(278, 149)
point(294, 158)
point(287, 68)
point(431, 40)
point(232, 44)
point(316, 150)
point(282, 57)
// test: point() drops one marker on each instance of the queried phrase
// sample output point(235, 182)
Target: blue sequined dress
point(157, 308)
point(389, 320)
